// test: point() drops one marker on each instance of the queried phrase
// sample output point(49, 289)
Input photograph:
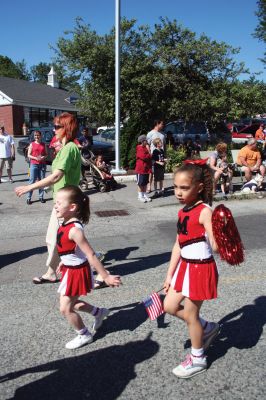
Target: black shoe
point(42, 201)
point(29, 201)
point(156, 195)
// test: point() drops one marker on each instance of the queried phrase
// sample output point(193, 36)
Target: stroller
point(92, 175)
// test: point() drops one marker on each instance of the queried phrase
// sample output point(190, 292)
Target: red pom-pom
point(226, 235)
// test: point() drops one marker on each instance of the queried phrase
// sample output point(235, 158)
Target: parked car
point(106, 136)
point(106, 149)
point(182, 131)
point(246, 133)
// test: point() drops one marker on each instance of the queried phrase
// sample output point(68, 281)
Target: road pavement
point(131, 356)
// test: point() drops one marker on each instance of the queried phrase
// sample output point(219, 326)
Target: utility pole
point(117, 169)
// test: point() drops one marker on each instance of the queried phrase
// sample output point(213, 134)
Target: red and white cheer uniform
point(196, 275)
point(77, 276)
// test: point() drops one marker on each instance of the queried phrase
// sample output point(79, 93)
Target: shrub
point(174, 158)
point(129, 135)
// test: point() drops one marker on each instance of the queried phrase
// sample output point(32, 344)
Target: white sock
point(197, 354)
point(140, 195)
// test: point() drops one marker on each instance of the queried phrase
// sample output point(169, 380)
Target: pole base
point(118, 171)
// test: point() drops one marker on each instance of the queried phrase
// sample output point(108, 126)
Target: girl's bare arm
point(79, 238)
point(206, 220)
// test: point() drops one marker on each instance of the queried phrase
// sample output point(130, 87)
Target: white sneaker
point(189, 368)
point(102, 314)
point(142, 199)
point(209, 337)
point(148, 199)
point(79, 341)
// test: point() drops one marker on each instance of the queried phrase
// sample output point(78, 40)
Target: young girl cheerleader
point(77, 256)
point(192, 274)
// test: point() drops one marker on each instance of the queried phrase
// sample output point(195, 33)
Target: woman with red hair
point(66, 169)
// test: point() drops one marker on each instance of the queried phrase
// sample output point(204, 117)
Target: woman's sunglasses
point(56, 127)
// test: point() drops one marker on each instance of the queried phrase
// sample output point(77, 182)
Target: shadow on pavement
point(241, 333)
point(119, 254)
point(128, 317)
point(140, 264)
point(101, 374)
point(11, 258)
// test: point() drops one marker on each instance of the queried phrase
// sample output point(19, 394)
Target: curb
point(132, 178)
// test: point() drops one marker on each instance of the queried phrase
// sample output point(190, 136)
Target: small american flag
point(154, 306)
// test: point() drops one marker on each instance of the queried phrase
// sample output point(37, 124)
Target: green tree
point(260, 31)
point(16, 70)
point(165, 71)
point(39, 72)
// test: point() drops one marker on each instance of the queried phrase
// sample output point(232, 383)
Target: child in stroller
point(95, 171)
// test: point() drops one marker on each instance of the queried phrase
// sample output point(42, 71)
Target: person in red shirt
point(37, 155)
point(56, 145)
point(143, 168)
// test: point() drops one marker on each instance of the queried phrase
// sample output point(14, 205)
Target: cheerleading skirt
point(76, 280)
point(196, 279)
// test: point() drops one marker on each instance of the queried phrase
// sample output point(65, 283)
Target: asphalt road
point(131, 356)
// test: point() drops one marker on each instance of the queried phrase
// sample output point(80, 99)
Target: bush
point(129, 135)
point(174, 158)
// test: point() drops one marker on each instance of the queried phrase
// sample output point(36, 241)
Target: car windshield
point(179, 127)
point(195, 128)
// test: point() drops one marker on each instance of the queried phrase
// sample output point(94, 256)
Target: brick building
point(32, 104)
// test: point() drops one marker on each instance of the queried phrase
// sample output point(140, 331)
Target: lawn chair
point(236, 166)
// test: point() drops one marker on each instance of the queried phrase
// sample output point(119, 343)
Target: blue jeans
point(37, 172)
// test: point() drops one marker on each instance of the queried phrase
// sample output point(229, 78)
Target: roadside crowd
point(151, 159)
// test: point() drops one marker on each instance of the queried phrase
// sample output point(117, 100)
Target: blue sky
point(28, 27)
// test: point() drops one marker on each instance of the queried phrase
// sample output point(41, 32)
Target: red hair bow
point(197, 162)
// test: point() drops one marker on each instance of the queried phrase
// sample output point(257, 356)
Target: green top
point(67, 160)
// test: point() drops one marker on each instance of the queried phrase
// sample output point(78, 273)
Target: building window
point(34, 116)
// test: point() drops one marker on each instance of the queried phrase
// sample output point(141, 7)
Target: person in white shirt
point(155, 133)
point(7, 153)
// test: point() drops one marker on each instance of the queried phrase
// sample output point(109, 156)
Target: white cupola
point(52, 79)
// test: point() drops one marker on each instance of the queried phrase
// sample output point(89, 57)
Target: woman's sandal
point(99, 284)
point(40, 280)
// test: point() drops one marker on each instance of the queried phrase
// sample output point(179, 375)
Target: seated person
point(260, 135)
point(226, 182)
point(249, 158)
point(100, 164)
point(220, 149)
